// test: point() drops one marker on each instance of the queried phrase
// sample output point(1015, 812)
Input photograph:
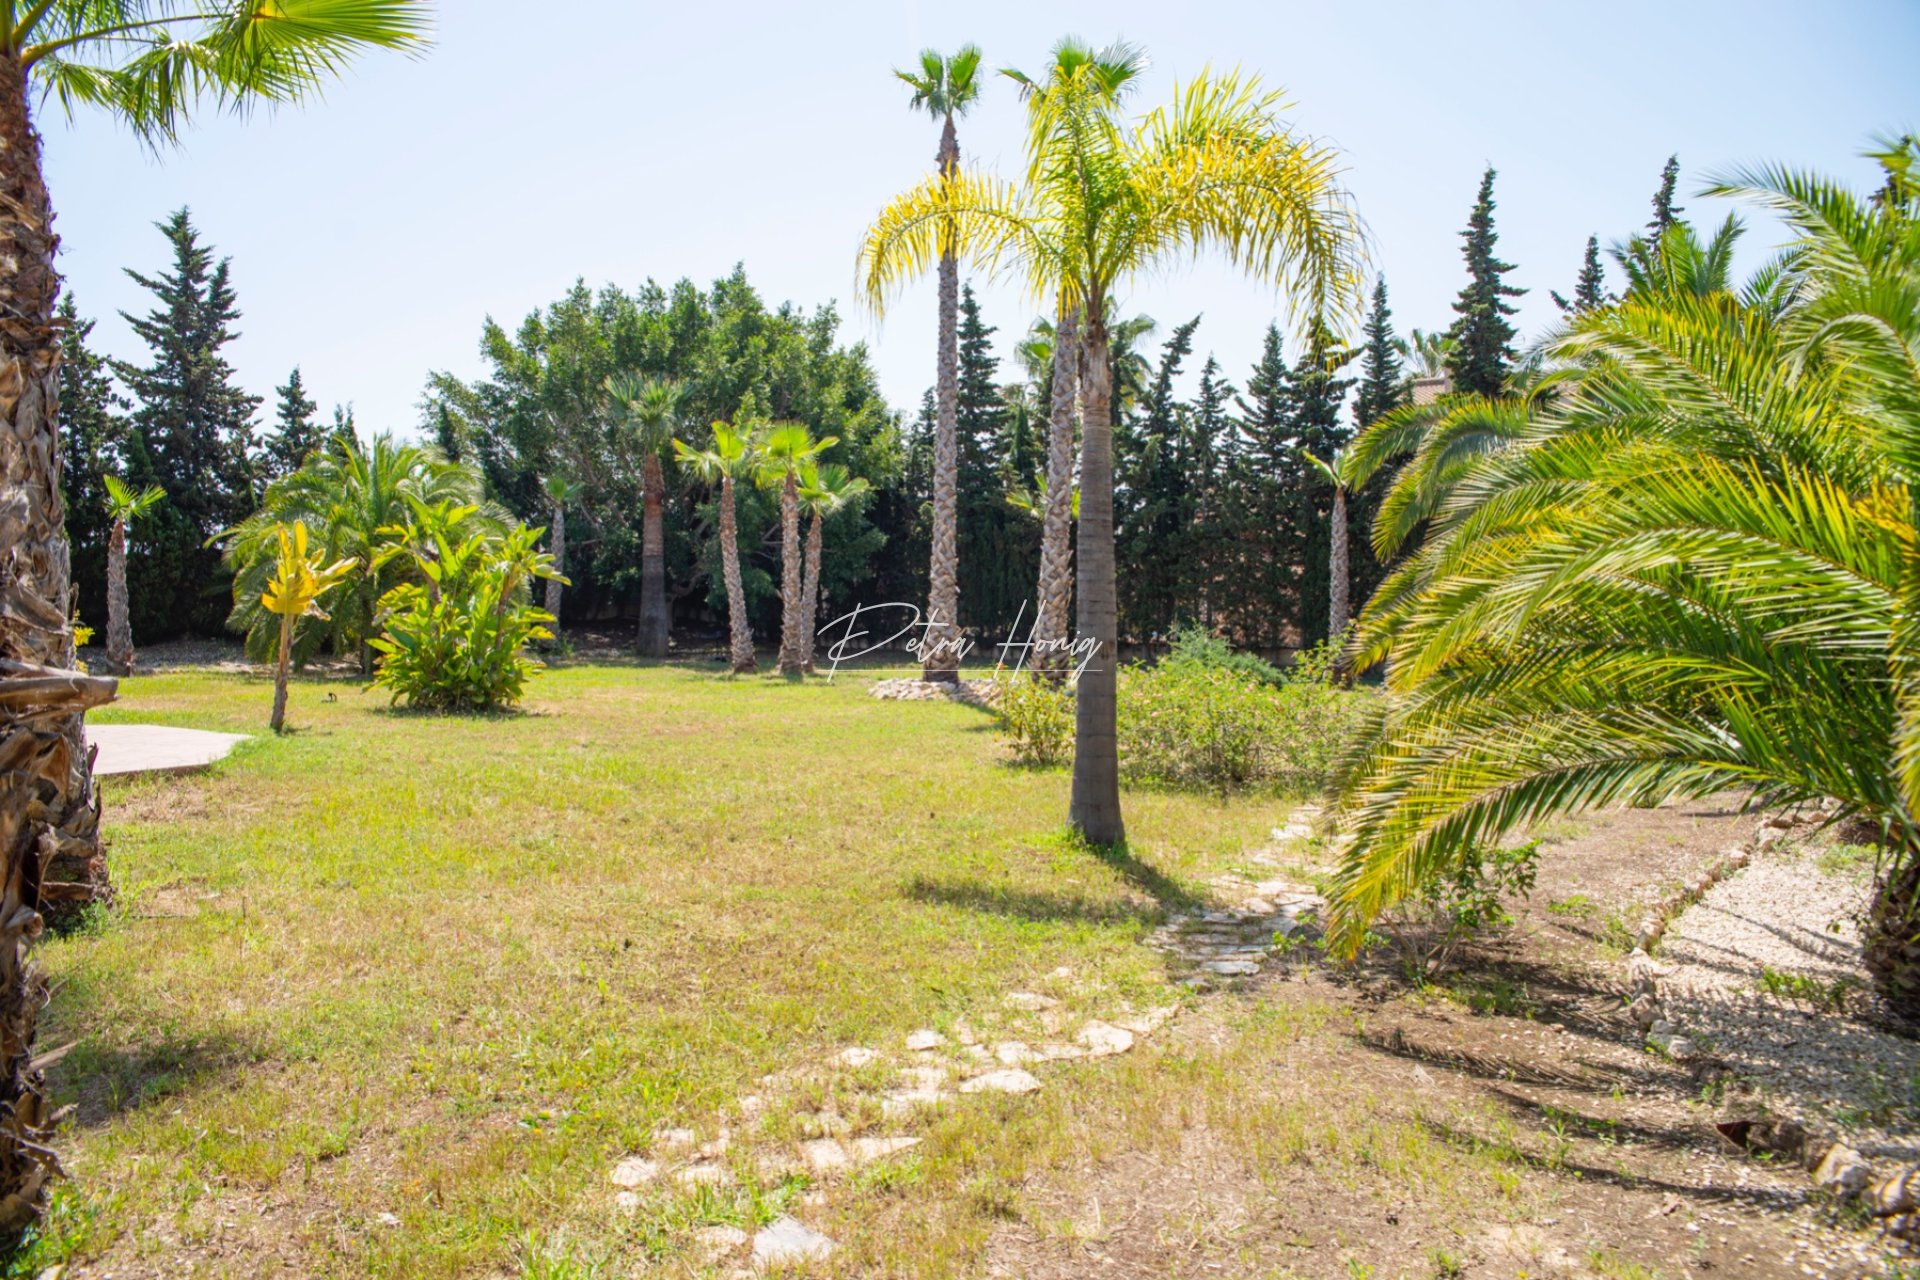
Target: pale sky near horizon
point(372, 233)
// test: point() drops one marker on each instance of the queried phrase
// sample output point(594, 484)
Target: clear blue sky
point(372, 232)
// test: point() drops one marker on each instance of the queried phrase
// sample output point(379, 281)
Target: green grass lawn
point(451, 969)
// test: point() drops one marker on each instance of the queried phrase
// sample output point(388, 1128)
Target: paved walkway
point(153, 748)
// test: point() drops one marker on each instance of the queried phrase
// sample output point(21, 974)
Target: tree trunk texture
point(119, 626)
point(1056, 529)
point(810, 594)
point(655, 621)
point(1337, 572)
point(942, 661)
point(1892, 941)
point(740, 633)
point(1095, 808)
point(49, 818)
point(282, 664)
point(557, 543)
point(789, 660)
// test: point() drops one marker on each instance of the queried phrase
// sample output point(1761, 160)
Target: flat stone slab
point(155, 748)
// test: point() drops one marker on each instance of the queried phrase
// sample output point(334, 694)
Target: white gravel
point(1785, 913)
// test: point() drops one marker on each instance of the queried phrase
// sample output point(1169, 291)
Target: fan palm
point(786, 453)
point(826, 490)
point(946, 88)
point(124, 506)
point(649, 410)
point(1695, 568)
point(1102, 202)
point(148, 64)
point(561, 493)
point(731, 457)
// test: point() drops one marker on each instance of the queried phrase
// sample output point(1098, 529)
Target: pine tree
point(1591, 289)
point(1665, 211)
point(999, 556)
point(1383, 383)
point(1150, 498)
point(1482, 337)
point(295, 435)
point(192, 435)
point(1259, 510)
point(92, 434)
point(1207, 542)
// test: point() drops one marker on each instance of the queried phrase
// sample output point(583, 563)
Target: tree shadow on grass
point(1168, 895)
point(102, 1083)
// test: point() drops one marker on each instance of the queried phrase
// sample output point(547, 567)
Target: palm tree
point(785, 454)
point(1692, 572)
point(649, 409)
point(1425, 353)
point(300, 578)
point(827, 489)
point(561, 494)
point(124, 506)
point(148, 64)
point(1103, 202)
point(731, 457)
point(1339, 584)
point(945, 88)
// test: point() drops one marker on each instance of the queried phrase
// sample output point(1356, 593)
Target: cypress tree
point(192, 435)
point(1482, 337)
point(92, 433)
point(1207, 538)
point(1382, 380)
point(1591, 289)
point(1149, 507)
point(1267, 545)
point(295, 433)
point(1665, 211)
point(995, 576)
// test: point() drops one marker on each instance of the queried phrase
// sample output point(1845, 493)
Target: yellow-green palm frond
point(989, 222)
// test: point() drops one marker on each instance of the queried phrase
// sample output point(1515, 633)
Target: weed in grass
point(1575, 906)
point(1847, 859)
point(1611, 1266)
point(1617, 937)
point(1446, 1266)
point(1830, 997)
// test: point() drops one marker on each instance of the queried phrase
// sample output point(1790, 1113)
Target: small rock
point(858, 1057)
point(704, 1174)
point(752, 1105)
point(715, 1243)
point(1103, 1038)
point(1054, 1051)
point(1145, 1024)
point(670, 1140)
point(393, 1219)
point(1010, 1080)
point(634, 1171)
point(867, 1150)
point(717, 1148)
point(787, 1240)
point(824, 1155)
point(1897, 1194)
point(1061, 974)
point(1030, 1001)
point(626, 1201)
point(1842, 1172)
point(925, 1041)
point(1232, 968)
point(1014, 1052)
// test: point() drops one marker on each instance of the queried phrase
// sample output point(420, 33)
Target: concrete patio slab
point(153, 748)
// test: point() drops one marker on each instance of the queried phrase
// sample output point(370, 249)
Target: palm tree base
point(941, 675)
point(1892, 941)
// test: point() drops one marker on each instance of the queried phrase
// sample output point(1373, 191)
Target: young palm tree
point(1339, 583)
point(300, 578)
point(561, 494)
point(148, 64)
point(1102, 202)
point(731, 457)
point(124, 506)
point(826, 490)
point(649, 408)
point(786, 453)
point(945, 88)
point(1692, 572)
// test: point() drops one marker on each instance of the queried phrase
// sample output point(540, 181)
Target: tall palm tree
point(825, 491)
point(1103, 201)
point(786, 453)
point(945, 88)
point(1693, 571)
point(730, 458)
point(124, 506)
point(149, 64)
point(1339, 580)
point(649, 410)
point(561, 494)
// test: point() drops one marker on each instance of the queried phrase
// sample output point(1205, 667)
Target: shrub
point(1037, 717)
point(1454, 907)
point(1195, 647)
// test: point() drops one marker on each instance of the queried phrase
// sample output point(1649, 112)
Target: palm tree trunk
point(49, 817)
point(1892, 938)
point(942, 660)
point(1095, 808)
point(280, 668)
point(119, 627)
point(1338, 584)
point(739, 632)
point(789, 661)
point(810, 594)
point(654, 619)
point(557, 541)
point(1056, 544)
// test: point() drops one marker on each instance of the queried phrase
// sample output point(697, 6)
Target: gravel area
point(979, 693)
point(1789, 914)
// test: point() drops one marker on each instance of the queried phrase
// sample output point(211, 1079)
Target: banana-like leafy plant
point(300, 578)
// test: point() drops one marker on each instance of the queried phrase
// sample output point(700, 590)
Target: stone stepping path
point(154, 748)
point(932, 1070)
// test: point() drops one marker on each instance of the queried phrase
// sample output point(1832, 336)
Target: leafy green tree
point(1152, 503)
point(194, 432)
point(1101, 203)
point(147, 64)
point(1383, 381)
point(1482, 352)
point(296, 433)
point(946, 87)
point(124, 506)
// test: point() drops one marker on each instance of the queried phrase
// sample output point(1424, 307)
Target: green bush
point(459, 642)
point(1195, 647)
point(1037, 717)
